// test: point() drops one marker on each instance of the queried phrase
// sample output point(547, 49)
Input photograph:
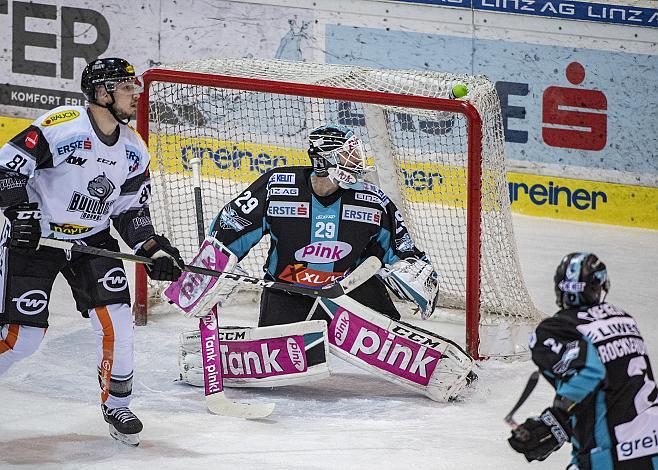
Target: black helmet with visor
point(114, 74)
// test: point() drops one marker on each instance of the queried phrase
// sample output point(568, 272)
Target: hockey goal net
point(441, 160)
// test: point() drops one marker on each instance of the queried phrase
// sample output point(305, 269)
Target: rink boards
point(542, 196)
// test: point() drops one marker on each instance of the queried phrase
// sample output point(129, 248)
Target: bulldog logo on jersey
point(101, 187)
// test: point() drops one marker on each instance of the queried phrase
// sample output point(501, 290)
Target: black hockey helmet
point(335, 151)
point(111, 73)
point(581, 279)
point(107, 72)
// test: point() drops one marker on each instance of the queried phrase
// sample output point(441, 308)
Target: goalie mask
point(116, 75)
point(336, 152)
point(581, 280)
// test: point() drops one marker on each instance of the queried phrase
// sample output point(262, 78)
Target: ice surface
point(50, 417)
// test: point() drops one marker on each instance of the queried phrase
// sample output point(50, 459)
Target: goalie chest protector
point(314, 240)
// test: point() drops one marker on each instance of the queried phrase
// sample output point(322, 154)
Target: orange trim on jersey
point(108, 351)
point(10, 341)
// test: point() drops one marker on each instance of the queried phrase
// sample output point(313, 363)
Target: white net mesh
point(420, 155)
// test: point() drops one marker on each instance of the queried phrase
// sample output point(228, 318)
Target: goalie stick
point(351, 281)
point(216, 400)
point(529, 387)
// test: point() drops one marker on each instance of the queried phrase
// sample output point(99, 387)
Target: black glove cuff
point(152, 245)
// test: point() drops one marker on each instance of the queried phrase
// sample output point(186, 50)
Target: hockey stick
point(529, 387)
point(358, 276)
point(216, 400)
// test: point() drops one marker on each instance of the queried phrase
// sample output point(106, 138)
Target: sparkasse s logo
point(361, 214)
point(288, 209)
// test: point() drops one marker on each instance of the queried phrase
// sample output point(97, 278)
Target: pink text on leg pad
point(381, 348)
point(263, 358)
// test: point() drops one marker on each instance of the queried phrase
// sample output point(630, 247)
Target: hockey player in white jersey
point(66, 176)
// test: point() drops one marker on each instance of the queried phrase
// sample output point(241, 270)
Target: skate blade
point(131, 440)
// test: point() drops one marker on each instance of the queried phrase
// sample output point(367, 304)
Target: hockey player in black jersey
point(592, 353)
point(67, 176)
point(323, 221)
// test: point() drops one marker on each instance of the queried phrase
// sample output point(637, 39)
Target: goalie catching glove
point(415, 280)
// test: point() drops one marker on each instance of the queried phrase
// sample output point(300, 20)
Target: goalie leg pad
point(396, 351)
point(270, 356)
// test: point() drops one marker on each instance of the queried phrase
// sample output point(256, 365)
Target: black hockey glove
point(167, 262)
point(25, 230)
point(541, 435)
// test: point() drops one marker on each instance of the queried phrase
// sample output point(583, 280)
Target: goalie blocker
point(269, 356)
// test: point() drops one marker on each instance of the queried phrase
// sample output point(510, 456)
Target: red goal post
point(170, 132)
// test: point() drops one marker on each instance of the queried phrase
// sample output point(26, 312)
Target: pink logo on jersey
point(381, 348)
point(263, 358)
point(323, 252)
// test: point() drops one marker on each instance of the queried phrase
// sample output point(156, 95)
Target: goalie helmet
point(581, 280)
point(110, 73)
point(336, 152)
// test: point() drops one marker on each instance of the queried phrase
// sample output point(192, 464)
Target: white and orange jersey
point(79, 182)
